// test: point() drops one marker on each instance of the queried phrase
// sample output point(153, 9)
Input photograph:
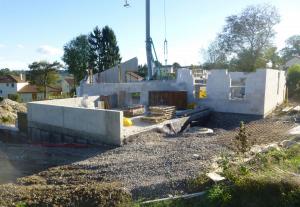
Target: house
point(293, 61)
point(32, 93)
point(68, 85)
point(10, 85)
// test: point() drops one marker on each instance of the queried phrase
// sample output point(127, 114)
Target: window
point(12, 85)
point(7, 84)
point(136, 97)
point(1, 92)
point(238, 89)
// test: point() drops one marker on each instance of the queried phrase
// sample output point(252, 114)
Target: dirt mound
point(96, 194)
point(9, 110)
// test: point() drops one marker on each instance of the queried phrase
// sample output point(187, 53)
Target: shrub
point(243, 143)
point(293, 80)
point(14, 97)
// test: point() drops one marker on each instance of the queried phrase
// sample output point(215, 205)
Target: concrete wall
point(183, 82)
point(275, 89)
point(260, 91)
point(117, 74)
point(55, 119)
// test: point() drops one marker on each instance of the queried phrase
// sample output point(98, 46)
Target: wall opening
point(237, 89)
point(135, 98)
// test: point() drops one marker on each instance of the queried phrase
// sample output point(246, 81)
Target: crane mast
point(149, 43)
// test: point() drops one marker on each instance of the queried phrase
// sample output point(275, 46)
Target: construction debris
point(134, 111)
point(215, 177)
point(287, 109)
point(297, 108)
point(159, 114)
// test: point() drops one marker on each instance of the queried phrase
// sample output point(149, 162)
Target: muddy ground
point(150, 165)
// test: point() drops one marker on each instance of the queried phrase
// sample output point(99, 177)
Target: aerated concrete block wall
point(64, 121)
point(264, 90)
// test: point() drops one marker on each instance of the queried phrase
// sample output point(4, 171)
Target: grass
point(271, 179)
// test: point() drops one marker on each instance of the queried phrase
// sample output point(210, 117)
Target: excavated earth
point(149, 165)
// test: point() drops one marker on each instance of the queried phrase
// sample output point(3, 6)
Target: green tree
point(104, 49)
point(143, 71)
point(292, 48)
point(77, 57)
point(247, 35)
point(44, 74)
point(293, 80)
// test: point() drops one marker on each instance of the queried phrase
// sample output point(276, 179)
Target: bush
point(14, 97)
point(293, 80)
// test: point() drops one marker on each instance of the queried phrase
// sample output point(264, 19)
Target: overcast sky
point(33, 30)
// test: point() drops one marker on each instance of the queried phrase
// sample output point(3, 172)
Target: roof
point(70, 81)
point(11, 79)
point(134, 75)
point(35, 89)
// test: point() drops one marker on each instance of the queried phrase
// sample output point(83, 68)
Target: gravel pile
point(9, 110)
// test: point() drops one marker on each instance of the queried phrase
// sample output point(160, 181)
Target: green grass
point(271, 180)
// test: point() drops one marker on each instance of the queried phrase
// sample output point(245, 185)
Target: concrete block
point(35, 135)
point(44, 136)
point(68, 139)
point(55, 138)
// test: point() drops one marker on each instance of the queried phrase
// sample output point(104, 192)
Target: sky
point(34, 30)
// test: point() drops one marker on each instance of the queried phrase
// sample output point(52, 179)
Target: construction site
point(142, 138)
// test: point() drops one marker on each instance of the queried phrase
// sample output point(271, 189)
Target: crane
point(149, 42)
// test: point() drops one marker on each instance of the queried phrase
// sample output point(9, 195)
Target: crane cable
point(165, 42)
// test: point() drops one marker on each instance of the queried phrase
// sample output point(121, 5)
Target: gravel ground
point(155, 165)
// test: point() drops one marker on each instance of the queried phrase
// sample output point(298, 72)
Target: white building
point(10, 85)
point(67, 85)
point(293, 61)
point(255, 93)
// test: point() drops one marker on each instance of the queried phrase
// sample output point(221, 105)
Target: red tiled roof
point(11, 79)
point(35, 89)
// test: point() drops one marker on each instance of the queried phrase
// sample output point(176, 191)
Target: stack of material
point(134, 111)
point(160, 113)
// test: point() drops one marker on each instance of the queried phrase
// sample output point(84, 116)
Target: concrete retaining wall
point(52, 120)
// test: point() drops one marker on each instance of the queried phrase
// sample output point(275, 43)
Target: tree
point(44, 74)
point(215, 57)
point(143, 71)
point(292, 48)
point(246, 36)
point(176, 65)
point(104, 49)
point(77, 57)
point(293, 79)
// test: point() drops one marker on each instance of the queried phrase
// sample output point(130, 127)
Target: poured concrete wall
point(261, 95)
point(183, 82)
point(54, 119)
point(116, 74)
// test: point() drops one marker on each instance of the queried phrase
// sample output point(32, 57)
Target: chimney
point(21, 76)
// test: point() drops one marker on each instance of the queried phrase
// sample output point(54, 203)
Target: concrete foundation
point(63, 121)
